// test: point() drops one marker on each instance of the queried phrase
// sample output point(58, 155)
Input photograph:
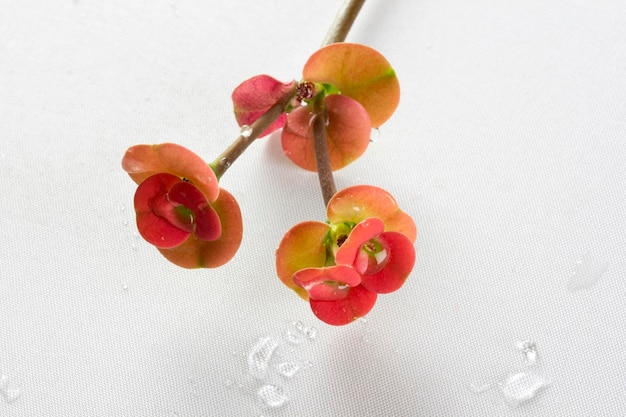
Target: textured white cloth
point(508, 149)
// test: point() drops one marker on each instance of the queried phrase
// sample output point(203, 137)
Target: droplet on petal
point(330, 283)
point(357, 303)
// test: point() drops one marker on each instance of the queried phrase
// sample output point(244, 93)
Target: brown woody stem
point(337, 33)
point(324, 171)
point(230, 155)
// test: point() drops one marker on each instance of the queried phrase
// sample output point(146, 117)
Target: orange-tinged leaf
point(360, 72)
point(357, 203)
point(301, 247)
point(144, 161)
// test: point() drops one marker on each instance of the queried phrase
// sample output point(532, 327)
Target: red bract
point(180, 208)
point(255, 96)
point(341, 266)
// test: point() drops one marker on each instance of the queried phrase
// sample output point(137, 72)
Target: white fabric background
point(507, 149)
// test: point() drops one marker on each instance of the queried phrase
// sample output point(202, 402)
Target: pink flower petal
point(157, 220)
point(347, 134)
point(399, 261)
point(255, 96)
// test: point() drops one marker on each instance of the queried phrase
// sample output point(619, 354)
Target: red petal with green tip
point(357, 203)
point(330, 283)
point(157, 220)
point(301, 247)
point(400, 258)
point(360, 72)
point(357, 303)
point(347, 134)
point(255, 96)
point(196, 253)
point(143, 161)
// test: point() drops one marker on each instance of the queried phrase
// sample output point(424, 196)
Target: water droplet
point(288, 369)
point(260, 355)
point(124, 286)
point(246, 131)
point(310, 332)
point(121, 207)
point(589, 270)
point(375, 135)
point(272, 395)
point(529, 350)
point(224, 162)
point(521, 387)
point(10, 392)
point(293, 337)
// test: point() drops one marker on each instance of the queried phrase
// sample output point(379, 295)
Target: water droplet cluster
point(272, 363)
point(521, 384)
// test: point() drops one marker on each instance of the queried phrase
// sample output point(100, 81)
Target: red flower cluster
point(340, 267)
point(180, 207)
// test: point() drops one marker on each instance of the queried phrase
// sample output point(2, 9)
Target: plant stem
point(324, 171)
point(230, 155)
point(343, 22)
point(337, 33)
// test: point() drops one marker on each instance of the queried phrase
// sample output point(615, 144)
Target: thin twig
point(343, 22)
point(226, 158)
point(324, 170)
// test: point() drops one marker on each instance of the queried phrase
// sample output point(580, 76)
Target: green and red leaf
point(360, 72)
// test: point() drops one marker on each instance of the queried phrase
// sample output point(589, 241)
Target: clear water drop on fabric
point(246, 131)
point(293, 337)
point(272, 396)
point(521, 387)
point(528, 348)
point(260, 356)
point(9, 391)
point(288, 369)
